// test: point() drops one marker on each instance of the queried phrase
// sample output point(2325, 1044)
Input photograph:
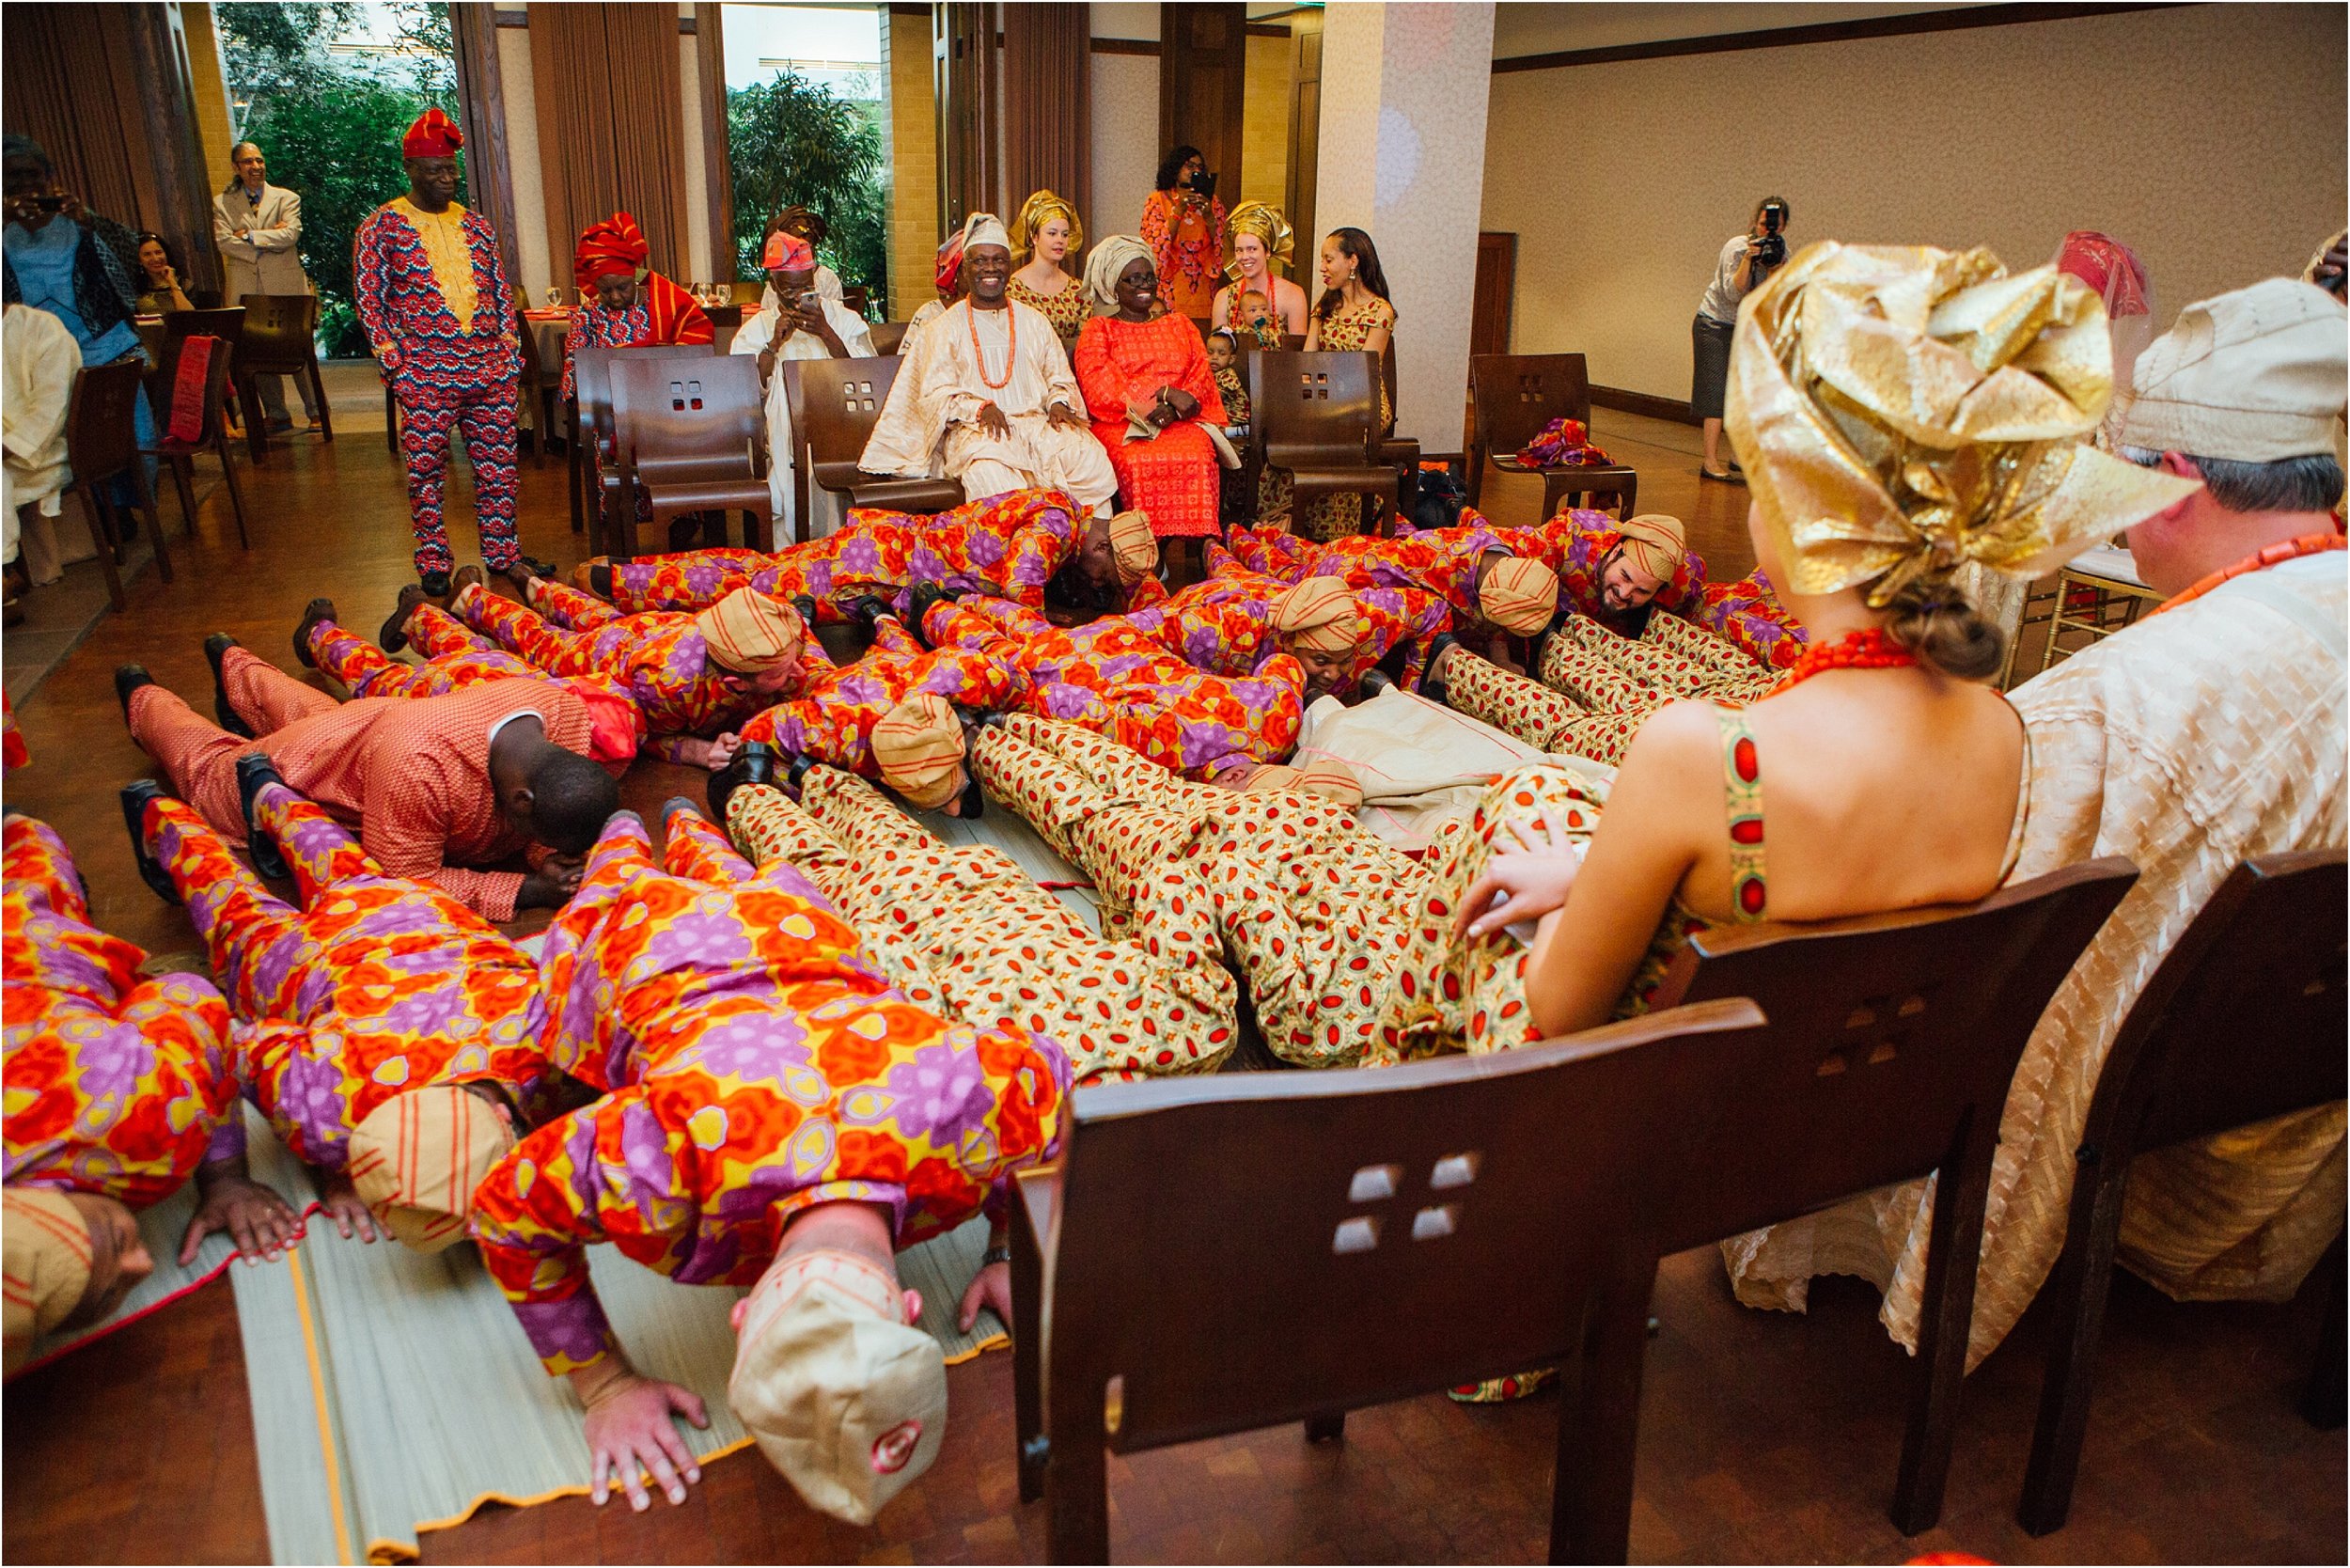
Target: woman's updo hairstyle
point(1932, 616)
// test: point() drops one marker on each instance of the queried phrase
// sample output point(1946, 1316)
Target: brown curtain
point(481, 114)
point(710, 47)
point(104, 90)
point(1048, 106)
point(611, 123)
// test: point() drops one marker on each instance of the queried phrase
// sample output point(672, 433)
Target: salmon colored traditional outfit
point(1186, 240)
point(1174, 475)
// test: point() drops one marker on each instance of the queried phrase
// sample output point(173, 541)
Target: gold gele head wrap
point(1265, 222)
point(1108, 262)
point(1035, 212)
point(1901, 410)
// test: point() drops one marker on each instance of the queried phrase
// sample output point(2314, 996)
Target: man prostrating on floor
point(390, 1034)
point(436, 786)
point(778, 1117)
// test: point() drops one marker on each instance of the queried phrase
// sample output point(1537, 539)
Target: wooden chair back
point(180, 326)
point(1435, 1223)
point(278, 335)
point(1893, 1038)
point(1892, 1043)
point(888, 336)
point(690, 423)
point(840, 401)
point(2242, 1020)
point(1312, 410)
point(1511, 396)
point(857, 298)
point(100, 439)
point(592, 379)
point(214, 394)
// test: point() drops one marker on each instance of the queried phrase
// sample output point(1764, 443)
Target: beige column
point(910, 143)
point(1403, 157)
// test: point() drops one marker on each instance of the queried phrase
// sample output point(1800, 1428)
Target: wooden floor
point(1765, 1436)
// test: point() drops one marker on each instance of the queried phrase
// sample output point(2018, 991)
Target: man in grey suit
point(256, 225)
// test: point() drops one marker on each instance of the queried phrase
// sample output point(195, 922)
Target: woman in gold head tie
point(1900, 412)
point(1260, 304)
point(1046, 237)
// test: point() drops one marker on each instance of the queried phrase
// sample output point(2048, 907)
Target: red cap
point(433, 135)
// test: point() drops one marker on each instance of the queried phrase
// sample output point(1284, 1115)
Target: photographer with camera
point(1746, 262)
point(1182, 223)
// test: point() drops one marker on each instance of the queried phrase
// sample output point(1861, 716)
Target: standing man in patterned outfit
point(431, 292)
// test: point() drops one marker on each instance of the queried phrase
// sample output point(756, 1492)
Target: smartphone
point(50, 203)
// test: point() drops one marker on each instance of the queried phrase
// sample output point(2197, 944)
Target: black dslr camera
point(1771, 249)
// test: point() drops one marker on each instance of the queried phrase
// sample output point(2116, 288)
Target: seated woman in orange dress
point(1143, 373)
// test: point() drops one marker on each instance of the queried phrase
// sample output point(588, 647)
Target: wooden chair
point(692, 435)
point(1891, 1042)
point(280, 338)
point(102, 442)
point(213, 433)
point(748, 293)
point(1424, 1226)
point(724, 321)
point(888, 336)
point(1401, 453)
point(592, 431)
point(541, 385)
point(1316, 416)
point(228, 324)
point(834, 405)
point(2098, 593)
point(858, 299)
point(2243, 1020)
point(1513, 396)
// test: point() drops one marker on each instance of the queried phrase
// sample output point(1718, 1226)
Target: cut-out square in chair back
point(1314, 386)
point(684, 395)
point(857, 396)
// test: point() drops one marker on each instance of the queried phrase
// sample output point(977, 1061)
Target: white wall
point(1125, 139)
point(2208, 138)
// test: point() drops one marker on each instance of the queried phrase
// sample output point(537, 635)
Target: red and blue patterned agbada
point(115, 1084)
point(757, 1065)
point(1009, 545)
point(375, 986)
point(444, 373)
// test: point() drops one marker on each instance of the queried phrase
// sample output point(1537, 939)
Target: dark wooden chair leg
point(326, 412)
point(101, 538)
point(391, 420)
point(255, 417)
point(236, 491)
point(1028, 1353)
point(1076, 1478)
point(1946, 1319)
point(2078, 1286)
point(180, 469)
point(154, 518)
point(1599, 1424)
point(2322, 1400)
point(1474, 482)
point(1326, 1429)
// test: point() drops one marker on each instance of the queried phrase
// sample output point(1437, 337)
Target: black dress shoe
point(253, 769)
point(600, 581)
point(312, 613)
point(216, 648)
point(435, 585)
point(805, 605)
point(972, 805)
point(135, 798)
point(925, 595)
point(128, 679)
point(1376, 681)
point(868, 608)
point(755, 762)
point(535, 567)
point(1430, 686)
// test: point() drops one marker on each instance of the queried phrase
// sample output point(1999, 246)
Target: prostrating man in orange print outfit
point(778, 1117)
point(436, 786)
point(1151, 394)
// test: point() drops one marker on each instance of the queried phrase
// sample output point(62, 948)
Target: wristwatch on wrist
point(999, 1253)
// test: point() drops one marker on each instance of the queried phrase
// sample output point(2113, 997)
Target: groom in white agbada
point(799, 318)
point(985, 395)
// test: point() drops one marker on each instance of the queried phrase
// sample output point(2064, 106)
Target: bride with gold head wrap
point(1901, 411)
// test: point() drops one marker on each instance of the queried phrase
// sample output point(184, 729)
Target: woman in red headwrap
point(627, 306)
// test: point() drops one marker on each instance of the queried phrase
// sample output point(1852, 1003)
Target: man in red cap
point(629, 306)
point(433, 294)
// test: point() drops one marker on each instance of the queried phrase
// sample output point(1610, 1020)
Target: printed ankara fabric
point(756, 1064)
point(1747, 614)
point(1008, 545)
point(834, 718)
point(1575, 544)
point(1175, 475)
point(1000, 951)
point(660, 659)
point(115, 1084)
point(375, 986)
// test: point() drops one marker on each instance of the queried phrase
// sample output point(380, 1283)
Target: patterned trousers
point(697, 579)
point(1596, 689)
point(117, 1084)
point(1297, 894)
point(997, 948)
point(483, 416)
point(373, 986)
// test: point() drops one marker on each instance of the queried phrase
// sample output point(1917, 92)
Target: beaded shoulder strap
point(1741, 803)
